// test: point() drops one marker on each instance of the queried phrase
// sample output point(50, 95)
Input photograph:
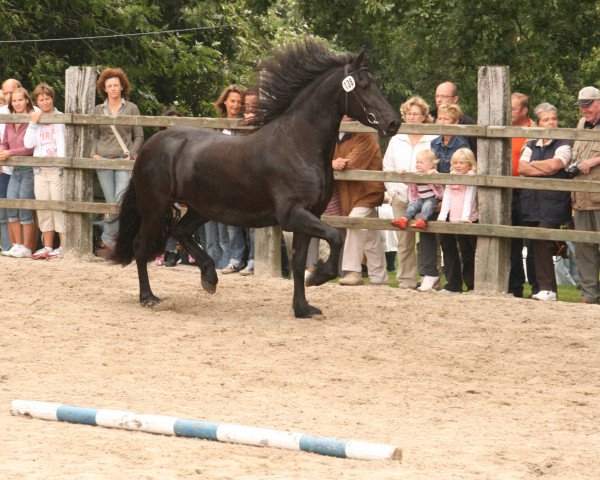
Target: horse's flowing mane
point(288, 71)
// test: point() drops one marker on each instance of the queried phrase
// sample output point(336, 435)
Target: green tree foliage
point(187, 69)
point(551, 46)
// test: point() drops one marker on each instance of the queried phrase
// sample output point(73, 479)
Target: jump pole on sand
point(222, 432)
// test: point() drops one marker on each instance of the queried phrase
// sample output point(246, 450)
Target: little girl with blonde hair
point(459, 205)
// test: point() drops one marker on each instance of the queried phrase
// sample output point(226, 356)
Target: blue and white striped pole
point(222, 432)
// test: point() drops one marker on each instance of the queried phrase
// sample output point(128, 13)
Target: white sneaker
point(428, 283)
point(22, 252)
point(545, 296)
point(231, 268)
point(10, 252)
point(41, 254)
point(57, 252)
point(249, 270)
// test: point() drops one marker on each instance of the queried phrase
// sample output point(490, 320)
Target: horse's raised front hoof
point(150, 301)
point(307, 311)
point(207, 286)
point(316, 278)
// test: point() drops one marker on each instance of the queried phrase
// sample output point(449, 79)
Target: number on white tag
point(348, 83)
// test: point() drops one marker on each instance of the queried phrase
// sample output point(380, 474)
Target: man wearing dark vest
point(545, 158)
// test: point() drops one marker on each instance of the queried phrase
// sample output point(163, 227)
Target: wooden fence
point(494, 167)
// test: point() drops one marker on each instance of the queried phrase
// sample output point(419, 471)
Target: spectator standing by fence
point(114, 142)
point(20, 186)
point(520, 118)
point(459, 205)
point(401, 155)
point(47, 141)
point(250, 104)
point(444, 147)
point(447, 93)
point(8, 87)
point(360, 151)
point(545, 158)
point(218, 241)
point(586, 156)
point(170, 257)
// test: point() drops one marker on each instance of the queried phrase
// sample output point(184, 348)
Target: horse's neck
point(316, 115)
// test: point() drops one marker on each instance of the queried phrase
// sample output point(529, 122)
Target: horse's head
point(363, 101)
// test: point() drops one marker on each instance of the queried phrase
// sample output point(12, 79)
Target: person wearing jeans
point(4, 179)
point(120, 142)
point(20, 185)
point(229, 105)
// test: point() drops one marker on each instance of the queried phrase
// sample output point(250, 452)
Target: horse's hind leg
point(183, 231)
point(145, 247)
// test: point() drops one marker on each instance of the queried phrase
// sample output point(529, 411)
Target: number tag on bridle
point(348, 83)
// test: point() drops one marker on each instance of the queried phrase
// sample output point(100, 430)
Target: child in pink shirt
point(460, 205)
point(459, 200)
point(423, 198)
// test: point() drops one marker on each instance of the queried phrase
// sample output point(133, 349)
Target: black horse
point(278, 175)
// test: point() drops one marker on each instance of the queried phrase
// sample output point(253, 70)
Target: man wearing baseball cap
point(586, 155)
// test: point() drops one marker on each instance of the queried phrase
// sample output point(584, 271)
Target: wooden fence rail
point(481, 131)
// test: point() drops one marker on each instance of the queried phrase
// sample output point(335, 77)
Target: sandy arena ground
point(469, 387)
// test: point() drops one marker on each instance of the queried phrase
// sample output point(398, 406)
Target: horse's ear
point(360, 59)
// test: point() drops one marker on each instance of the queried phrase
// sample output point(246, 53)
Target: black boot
point(390, 260)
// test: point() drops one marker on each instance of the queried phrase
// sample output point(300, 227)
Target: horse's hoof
point(150, 301)
point(307, 312)
point(208, 287)
point(315, 279)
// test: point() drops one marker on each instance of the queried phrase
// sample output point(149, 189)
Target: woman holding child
point(401, 156)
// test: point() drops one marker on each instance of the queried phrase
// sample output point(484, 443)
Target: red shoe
point(419, 224)
point(400, 223)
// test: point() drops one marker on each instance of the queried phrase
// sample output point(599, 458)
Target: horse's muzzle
point(391, 128)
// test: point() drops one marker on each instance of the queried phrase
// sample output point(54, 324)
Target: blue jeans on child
point(20, 186)
point(426, 206)
point(4, 179)
point(113, 183)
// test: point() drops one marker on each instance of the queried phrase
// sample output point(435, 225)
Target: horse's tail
point(129, 224)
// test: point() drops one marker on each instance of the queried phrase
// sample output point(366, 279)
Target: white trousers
point(362, 242)
point(48, 185)
point(407, 257)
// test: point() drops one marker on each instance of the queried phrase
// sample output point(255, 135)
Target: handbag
point(117, 136)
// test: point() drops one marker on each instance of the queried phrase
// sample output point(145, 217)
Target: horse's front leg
point(183, 232)
point(302, 309)
point(305, 225)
